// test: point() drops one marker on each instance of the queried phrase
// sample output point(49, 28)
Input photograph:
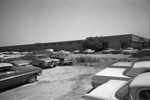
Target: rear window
point(123, 93)
point(144, 95)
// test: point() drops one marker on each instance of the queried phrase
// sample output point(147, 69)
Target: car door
point(7, 77)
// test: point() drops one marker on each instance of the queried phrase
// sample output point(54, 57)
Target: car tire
point(32, 78)
point(54, 65)
point(61, 63)
point(41, 65)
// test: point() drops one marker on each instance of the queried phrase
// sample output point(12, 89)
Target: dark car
point(141, 53)
point(21, 62)
point(108, 50)
point(11, 75)
point(115, 51)
point(66, 61)
point(111, 51)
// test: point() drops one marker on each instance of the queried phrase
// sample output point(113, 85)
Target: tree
point(94, 43)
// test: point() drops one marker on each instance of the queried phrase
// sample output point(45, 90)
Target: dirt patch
point(80, 87)
point(64, 82)
point(72, 82)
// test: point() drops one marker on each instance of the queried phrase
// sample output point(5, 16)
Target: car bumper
point(39, 74)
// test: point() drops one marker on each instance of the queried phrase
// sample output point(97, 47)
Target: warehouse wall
point(116, 42)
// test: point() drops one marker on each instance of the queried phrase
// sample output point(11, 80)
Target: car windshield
point(123, 93)
point(128, 69)
point(5, 69)
point(42, 57)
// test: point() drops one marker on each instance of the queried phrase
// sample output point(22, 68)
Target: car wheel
point(70, 63)
point(61, 63)
point(54, 65)
point(32, 78)
point(41, 65)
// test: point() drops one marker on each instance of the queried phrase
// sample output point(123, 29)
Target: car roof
point(142, 64)
point(5, 65)
point(101, 92)
point(20, 61)
point(142, 80)
point(126, 64)
point(39, 55)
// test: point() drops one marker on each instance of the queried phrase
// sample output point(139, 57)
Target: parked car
point(66, 60)
point(120, 73)
point(56, 61)
point(107, 51)
point(117, 51)
point(76, 51)
point(41, 60)
point(21, 62)
point(141, 53)
point(11, 75)
point(64, 52)
point(129, 50)
point(121, 65)
point(88, 51)
point(63, 60)
point(2, 57)
point(137, 89)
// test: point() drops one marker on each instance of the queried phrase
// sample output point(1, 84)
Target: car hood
point(125, 50)
point(47, 59)
point(105, 91)
point(28, 68)
point(122, 64)
point(22, 62)
point(55, 59)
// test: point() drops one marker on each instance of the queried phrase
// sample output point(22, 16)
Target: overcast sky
point(34, 21)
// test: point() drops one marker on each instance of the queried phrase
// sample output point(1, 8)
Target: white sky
point(32, 21)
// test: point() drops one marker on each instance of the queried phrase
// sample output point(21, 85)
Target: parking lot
point(69, 82)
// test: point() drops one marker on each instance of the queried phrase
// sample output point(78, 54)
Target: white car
point(137, 89)
point(76, 51)
point(120, 73)
point(63, 52)
point(129, 51)
point(87, 51)
point(121, 65)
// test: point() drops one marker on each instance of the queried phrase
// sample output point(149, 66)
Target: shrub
point(94, 43)
point(87, 59)
point(98, 62)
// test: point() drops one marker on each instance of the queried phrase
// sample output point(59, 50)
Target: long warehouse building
point(116, 42)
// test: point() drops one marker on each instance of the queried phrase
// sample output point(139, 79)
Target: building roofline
point(73, 40)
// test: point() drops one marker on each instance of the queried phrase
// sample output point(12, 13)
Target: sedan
point(121, 65)
point(136, 89)
point(11, 75)
point(141, 53)
point(41, 60)
point(129, 50)
point(108, 50)
point(120, 73)
point(88, 51)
